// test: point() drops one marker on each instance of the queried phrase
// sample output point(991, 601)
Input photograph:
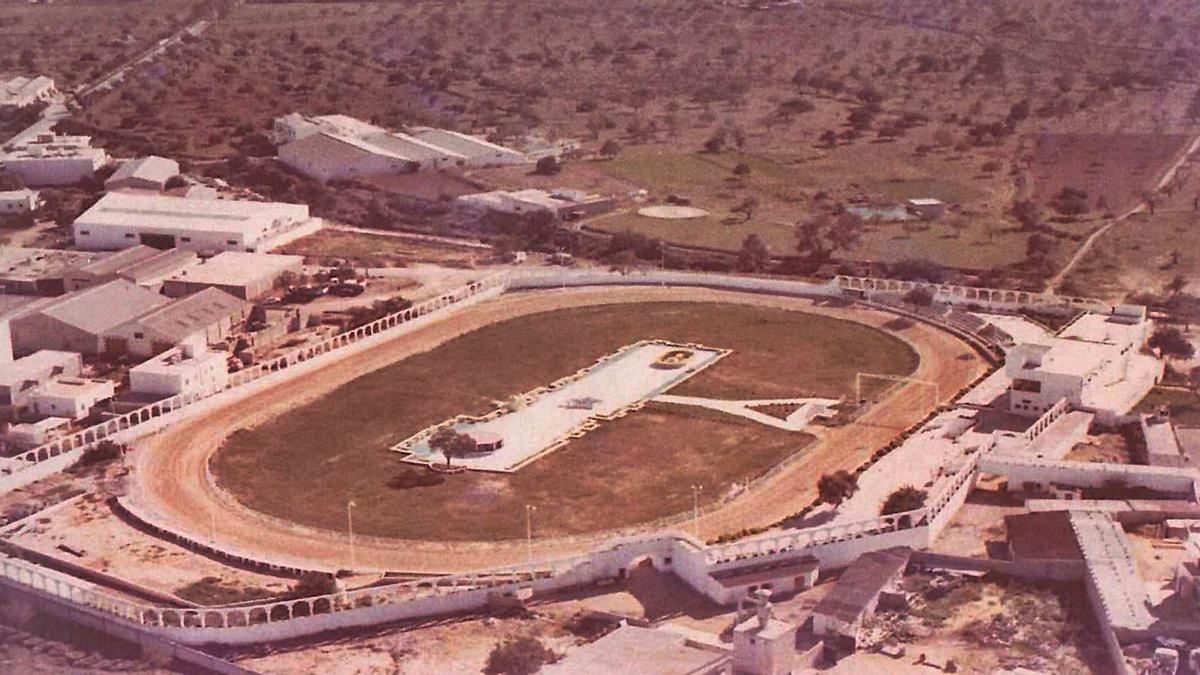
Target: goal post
point(929, 386)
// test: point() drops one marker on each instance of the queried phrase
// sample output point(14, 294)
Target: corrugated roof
point(462, 144)
point(101, 308)
point(862, 582)
point(111, 264)
point(193, 313)
point(152, 168)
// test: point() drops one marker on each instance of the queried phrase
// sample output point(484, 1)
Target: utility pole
point(696, 510)
point(350, 527)
point(529, 509)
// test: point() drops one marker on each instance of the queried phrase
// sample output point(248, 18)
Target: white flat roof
point(231, 268)
point(149, 211)
point(35, 366)
point(74, 387)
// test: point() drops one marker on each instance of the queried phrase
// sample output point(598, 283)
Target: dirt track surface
point(171, 467)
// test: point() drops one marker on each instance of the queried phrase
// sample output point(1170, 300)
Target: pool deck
point(569, 408)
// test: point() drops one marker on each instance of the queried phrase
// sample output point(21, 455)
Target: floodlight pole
point(696, 510)
point(529, 509)
point(350, 527)
point(212, 528)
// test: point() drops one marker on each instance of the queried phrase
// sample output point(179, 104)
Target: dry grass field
point(366, 250)
point(825, 105)
point(75, 42)
point(305, 464)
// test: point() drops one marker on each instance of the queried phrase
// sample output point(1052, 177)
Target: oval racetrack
point(171, 481)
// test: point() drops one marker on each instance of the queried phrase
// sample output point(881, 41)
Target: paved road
point(157, 49)
point(171, 468)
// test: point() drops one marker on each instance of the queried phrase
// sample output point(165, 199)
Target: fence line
point(459, 591)
point(77, 442)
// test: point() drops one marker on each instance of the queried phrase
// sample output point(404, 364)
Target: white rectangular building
point(18, 202)
point(71, 397)
point(144, 173)
point(20, 378)
point(49, 159)
point(337, 146)
point(248, 276)
point(188, 369)
point(22, 92)
point(1094, 363)
point(121, 220)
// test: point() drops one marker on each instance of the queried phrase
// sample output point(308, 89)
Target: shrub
point(520, 656)
point(104, 451)
point(411, 478)
point(907, 498)
point(312, 584)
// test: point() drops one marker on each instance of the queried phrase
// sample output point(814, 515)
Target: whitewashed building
point(49, 159)
point(145, 173)
point(22, 92)
point(121, 220)
point(71, 397)
point(191, 368)
point(17, 202)
point(248, 276)
point(338, 146)
point(1094, 363)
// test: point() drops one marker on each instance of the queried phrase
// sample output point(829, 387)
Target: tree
point(741, 169)
point(611, 148)
point(829, 138)
point(312, 584)
point(817, 238)
point(1171, 343)
point(1176, 285)
point(746, 207)
point(919, 296)
point(754, 255)
point(547, 166)
point(451, 443)
point(1070, 202)
point(1026, 213)
point(907, 498)
point(519, 656)
point(834, 488)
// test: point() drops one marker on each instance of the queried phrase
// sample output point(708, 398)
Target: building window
point(129, 235)
point(1032, 386)
point(185, 238)
point(84, 232)
point(138, 336)
point(231, 242)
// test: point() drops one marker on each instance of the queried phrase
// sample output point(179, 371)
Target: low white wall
point(1088, 474)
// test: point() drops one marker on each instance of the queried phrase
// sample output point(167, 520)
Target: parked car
point(347, 289)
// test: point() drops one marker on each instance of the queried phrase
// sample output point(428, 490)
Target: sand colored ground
point(172, 466)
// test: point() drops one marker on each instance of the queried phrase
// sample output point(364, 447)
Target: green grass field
point(305, 464)
point(1184, 405)
point(782, 184)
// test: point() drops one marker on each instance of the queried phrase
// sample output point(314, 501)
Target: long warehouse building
point(122, 220)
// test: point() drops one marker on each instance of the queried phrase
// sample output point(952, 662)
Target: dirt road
point(171, 468)
point(1082, 251)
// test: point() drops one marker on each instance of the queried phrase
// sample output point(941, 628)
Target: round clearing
point(670, 212)
point(305, 464)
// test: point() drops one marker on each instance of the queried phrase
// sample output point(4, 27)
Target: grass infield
point(305, 464)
